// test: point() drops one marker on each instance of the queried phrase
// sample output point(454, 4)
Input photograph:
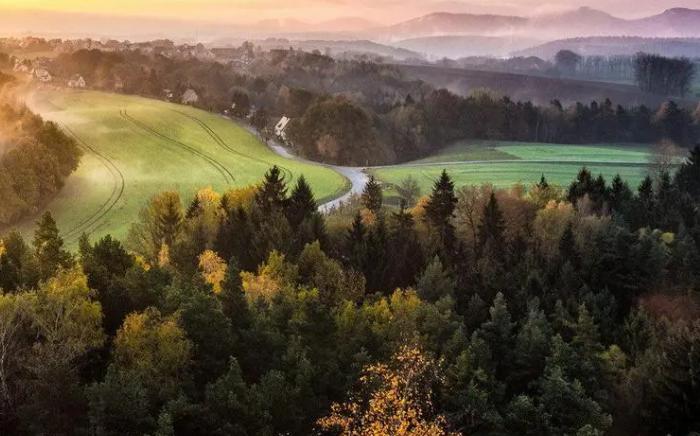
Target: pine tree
point(48, 248)
point(372, 197)
point(543, 184)
point(440, 209)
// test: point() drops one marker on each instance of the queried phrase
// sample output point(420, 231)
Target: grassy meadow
point(504, 164)
point(136, 147)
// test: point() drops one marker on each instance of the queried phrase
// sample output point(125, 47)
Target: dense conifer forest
point(538, 311)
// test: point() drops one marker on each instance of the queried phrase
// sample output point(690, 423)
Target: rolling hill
point(538, 89)
point(136, 147)
point(459, 46)
point(616, 45)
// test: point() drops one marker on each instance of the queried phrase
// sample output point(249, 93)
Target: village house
point(20, 67)
point(281, 128)
point(77, 81)
point(190, 97)
point(42, 75)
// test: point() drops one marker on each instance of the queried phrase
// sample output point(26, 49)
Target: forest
point(540, 311)
point(354, 112)
point(36, 157)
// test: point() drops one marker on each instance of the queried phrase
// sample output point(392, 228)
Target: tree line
point(539, 311)
point(35, 159)
point(360, 113)
point(661, 75)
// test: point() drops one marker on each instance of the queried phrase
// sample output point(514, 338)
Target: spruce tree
point(194, 208)
point(581, 186)
point(357, 243)
point(440, 209)
point(644, 204)
point(302, 204)
point(620, 195)
point(666, 215)
point(272, 194)
point(492, 227)
point(372, 197)
point(567, 246)
point(48, 248)
point(435, 282)
point(377, 256)
point(406, 257)
point(233, 300)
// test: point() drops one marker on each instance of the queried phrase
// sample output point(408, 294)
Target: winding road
point(356, 175)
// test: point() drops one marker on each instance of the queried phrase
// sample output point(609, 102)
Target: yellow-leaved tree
point(213, 269)
point(394, 399)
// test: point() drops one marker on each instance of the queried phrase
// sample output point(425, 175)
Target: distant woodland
point(35, 159)
point(357, 112)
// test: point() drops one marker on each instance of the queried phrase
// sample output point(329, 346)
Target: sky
point(381, 11)
point(206, 20)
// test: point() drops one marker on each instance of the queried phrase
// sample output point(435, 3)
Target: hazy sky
point(381, 11)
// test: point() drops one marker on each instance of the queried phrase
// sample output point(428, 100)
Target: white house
point(190, 97)
point(77, 81)
point(42, 75)
point(281, 127)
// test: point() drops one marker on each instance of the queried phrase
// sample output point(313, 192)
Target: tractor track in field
point(95, 219)
point(217, 138)
point(218, 166)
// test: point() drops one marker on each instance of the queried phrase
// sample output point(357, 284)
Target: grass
point(136, 147)
point(504, 164)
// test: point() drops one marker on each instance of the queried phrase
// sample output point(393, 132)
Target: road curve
point(356, 175)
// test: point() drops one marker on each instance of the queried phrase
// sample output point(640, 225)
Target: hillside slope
point(538, 89)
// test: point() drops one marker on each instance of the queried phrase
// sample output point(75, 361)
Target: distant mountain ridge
point(585, 21)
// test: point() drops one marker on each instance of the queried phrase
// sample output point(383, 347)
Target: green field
point(506, 163)
point(136, 147)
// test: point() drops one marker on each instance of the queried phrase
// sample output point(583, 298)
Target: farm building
point(281, 127)
point(77, 81)
point(190, 97)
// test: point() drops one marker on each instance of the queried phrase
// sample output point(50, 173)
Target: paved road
point(356, 175)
